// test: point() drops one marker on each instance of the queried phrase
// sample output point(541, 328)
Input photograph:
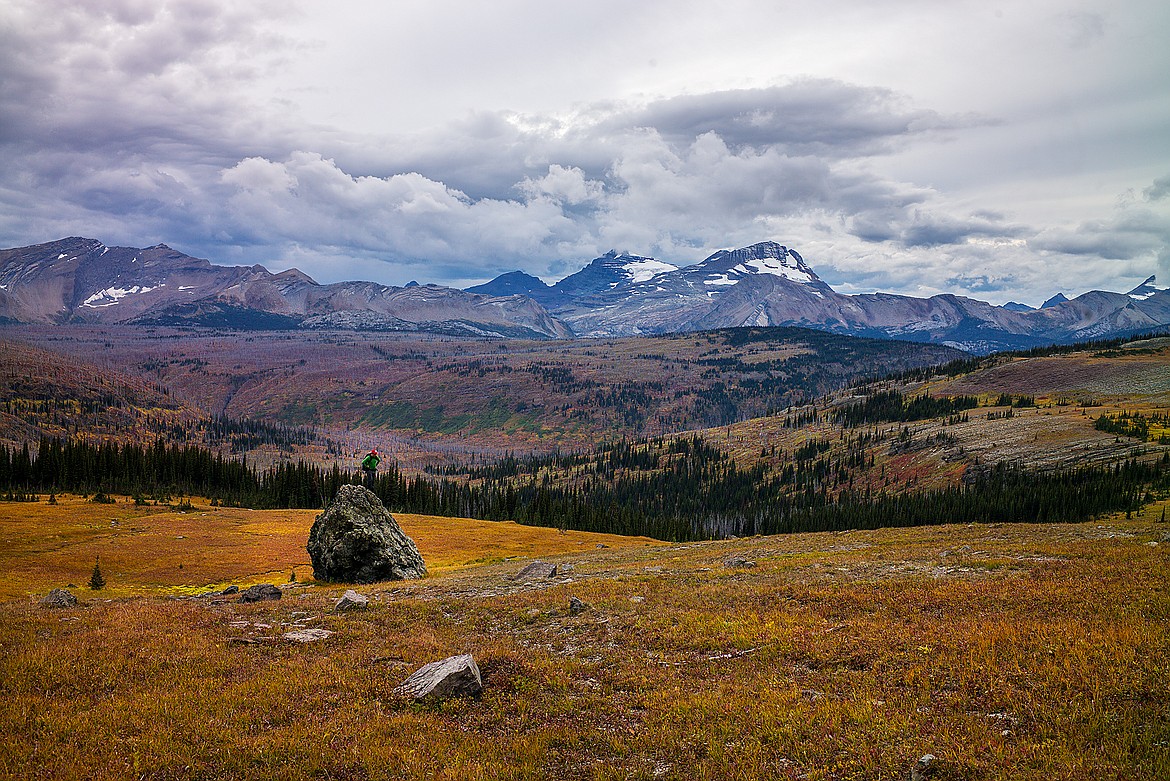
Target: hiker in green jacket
point(370, 467)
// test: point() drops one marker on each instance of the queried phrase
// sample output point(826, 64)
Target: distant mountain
point(517, 283)
point(1056, 300)
point(1016, 306)
point(768, 284)
point(618, 294)
point(83, 281)
point(609, 272)
point(1146, 290)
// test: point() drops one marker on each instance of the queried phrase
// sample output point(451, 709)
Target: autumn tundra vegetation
point(828, 580)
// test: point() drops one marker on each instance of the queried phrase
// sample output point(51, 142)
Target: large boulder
point(357, 540)
point(455, 676)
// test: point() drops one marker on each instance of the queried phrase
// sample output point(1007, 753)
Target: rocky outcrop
point(59, 597)
point(357, 540)
point(264, 592)
point(455, 676)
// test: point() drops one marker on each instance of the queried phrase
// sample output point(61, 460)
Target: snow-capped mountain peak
point(727, 267)
point(612, 270)
point(1146, 289)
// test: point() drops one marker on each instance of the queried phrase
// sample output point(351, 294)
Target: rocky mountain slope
point(79, 280)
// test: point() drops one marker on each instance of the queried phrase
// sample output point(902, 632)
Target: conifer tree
point(96, 581)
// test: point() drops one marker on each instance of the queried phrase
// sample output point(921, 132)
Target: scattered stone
point(306, 635)
point(576, 606)
point(738, 562)
point(601, 545)
point(357, 540)
point(565, 569)
point(230, 590)
point(264, 592)
point(637, 599)
point(351, 600)
point(455, 676)
point(59, 597)
point(923, 768)
point(535, 570)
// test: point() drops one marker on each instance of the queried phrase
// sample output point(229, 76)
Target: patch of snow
point(644, 269)
point(61, 256)
point(104, 251)
point(186, 287)
point(112, 295)
point(722, 279)
point(779, 268)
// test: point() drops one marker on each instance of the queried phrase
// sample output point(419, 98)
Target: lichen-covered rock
point(263, 592)
point(357, 540)
point(455, 676)
point(59, 597)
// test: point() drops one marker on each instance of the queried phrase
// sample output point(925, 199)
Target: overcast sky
point(1003, 151)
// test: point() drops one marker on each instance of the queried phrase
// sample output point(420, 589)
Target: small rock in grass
point(576, 606)
point(307, 635)
point(923, 768)
point(637, 599)
point(537, 569)
point(455, 676)
point(263, 592)
point(59, 597)
point(738, 562)
point(601, 545)
point(351, 600)
point(230, 590)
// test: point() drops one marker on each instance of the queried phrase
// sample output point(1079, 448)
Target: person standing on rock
point(370, 467)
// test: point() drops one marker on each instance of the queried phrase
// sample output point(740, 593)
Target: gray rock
point(264, 592)
point(357, 540)
point(230, 590)
point(455, 676)
point(923, 768)
point(59, 597)
point(738, 562)
point(351, 600)
point(576, 606)
point(306, 635)
point(536, 570)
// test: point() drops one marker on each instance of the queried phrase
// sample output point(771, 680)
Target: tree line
point(689, 490)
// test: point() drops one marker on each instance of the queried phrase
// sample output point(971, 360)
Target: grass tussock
point(1021, 652)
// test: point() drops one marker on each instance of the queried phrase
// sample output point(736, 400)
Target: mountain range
point(83, 281)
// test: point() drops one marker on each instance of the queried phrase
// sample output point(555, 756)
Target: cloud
point(137, 121)
point(1159, 189)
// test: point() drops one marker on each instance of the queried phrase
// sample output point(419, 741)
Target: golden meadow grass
point(1008, 651)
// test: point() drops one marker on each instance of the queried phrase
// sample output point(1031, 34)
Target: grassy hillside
point(1007, 651)
point(46, 393)
point(492, 394)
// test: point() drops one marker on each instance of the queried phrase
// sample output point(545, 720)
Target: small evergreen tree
point(96, 581)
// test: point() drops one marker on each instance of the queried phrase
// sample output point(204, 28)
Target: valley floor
point(1006, 651)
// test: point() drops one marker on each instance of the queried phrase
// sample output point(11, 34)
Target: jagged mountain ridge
point(82, 280)
point(618, 294)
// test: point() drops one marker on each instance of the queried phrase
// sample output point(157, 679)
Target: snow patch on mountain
point(1147, 289)
point(113, 295)
point(644, 269)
